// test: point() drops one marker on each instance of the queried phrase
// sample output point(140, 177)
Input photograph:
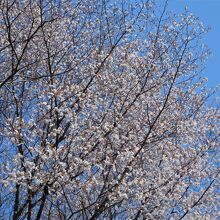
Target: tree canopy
point(104, 114)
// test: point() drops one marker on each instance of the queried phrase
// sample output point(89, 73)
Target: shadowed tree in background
point(103, 114)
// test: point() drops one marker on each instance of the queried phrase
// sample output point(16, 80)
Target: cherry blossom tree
point(103, 113)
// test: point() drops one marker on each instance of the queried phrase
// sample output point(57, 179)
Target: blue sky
point(209, 13)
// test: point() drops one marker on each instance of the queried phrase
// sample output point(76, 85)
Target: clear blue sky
point(209, 13)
